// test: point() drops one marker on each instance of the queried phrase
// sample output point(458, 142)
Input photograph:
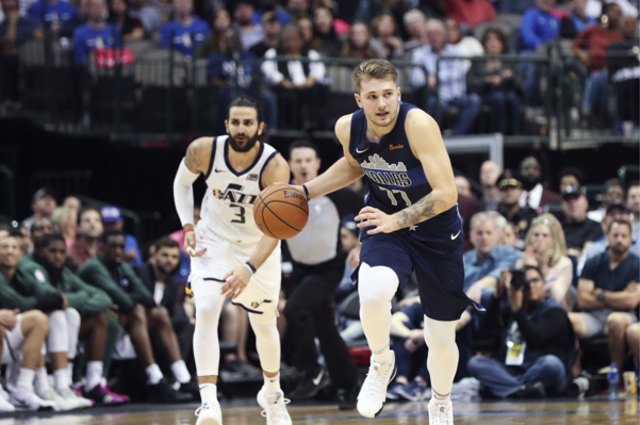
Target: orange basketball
point(281, 211)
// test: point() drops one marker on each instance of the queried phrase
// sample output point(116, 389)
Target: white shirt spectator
point(452, 74)
point(297, 76)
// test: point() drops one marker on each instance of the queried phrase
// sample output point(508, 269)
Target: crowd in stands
point(240, 39)
point(556, 268)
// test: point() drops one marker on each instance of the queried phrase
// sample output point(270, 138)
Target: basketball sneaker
point(5, 406)
point(374, 389)
point(27, 399)
point(440, 412)
point(209, 413)
point(275, 407)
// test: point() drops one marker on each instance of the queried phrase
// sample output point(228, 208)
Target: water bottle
point(613, 379)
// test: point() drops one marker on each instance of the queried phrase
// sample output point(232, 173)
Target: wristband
point(250, 267)
point(306, 192)
point(188, 228)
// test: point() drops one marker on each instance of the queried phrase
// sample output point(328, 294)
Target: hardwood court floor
point(589, 412)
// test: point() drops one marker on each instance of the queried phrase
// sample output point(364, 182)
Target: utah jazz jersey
point(227, 206)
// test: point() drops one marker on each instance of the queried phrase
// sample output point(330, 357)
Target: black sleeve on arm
point(542, 330)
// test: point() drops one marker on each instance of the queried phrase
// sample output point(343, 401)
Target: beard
point(250, 143)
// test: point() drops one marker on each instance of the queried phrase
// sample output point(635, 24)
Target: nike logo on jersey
point(395, 147)
point(219, 171)
point(361, 151)
point(317, 379)
point(453, 237)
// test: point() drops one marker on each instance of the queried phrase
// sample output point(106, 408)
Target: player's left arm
point(276, 171)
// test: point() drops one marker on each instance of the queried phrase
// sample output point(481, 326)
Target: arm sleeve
point(9, 298)
point(87, 299)
point(183, 193)
point(506, 261)
point(529, 37)
point(99, 278)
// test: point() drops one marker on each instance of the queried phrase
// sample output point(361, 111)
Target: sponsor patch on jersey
point(39, 276)
point(252, 177)
point(393, 147)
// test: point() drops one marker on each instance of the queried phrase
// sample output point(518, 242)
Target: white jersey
point(227, 206)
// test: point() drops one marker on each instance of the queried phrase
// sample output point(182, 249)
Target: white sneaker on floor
point(60, 404)
point(209, 413)
point(440, 413)
point(73, 400)
point(275, 407)
point(374, 388)
point(5, 406)
point(29, 400)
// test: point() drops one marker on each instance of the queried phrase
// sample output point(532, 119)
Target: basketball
point(281, 211)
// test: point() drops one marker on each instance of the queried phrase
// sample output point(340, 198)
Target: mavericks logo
point(233, 193)
point(385, 174)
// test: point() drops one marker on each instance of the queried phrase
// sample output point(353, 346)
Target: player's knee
point(265, 321)
point(58, 319)
point(376, 284)
point(439, 334)
point(34, 319)
point(73, 316)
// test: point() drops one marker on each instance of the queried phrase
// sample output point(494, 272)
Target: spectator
point(186, 31)
point(221, 24)
point(470, 12)
point(298, 8)
point(307, 32)
point(95, 34)
point(59, 16)
point(42, 204)
point(571, 176)
point(510, 236)
point(112, 220)
point(545, 248)
point(578, 19)
point(272, 29)
point(358, 44)
point(613, 193)
point(624, 72)
point(93, 306)
point(467, 45)
point(385, 36)
point(90, 230)
point(250, 32)
point(328, 40)
point(633, 202)
point(349, 244)
point(538, 342)
point(499, 85)
point(300, 86)
point(578, 229)
point(130, 27)
point(65, 220)
point(510, 191)
point(139, 314)
point(434, 72)
point(157, 276)
point(415, 25)
point(535, 195)
point(489, 173)
point(468, 205)
point(150, 12)
point(608, 292)
point(591, 48)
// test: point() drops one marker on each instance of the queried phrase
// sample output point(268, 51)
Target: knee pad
point(376, 284)
point(58, 336)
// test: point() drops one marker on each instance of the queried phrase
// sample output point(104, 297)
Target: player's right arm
point(194, 163)
point(343, 171)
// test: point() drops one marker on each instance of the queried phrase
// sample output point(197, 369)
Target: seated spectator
point(467, 45)
point(470, 12)
point(609, 292)
point(93, 305)
point(150, 12)
point(578, 20)
point(578, 229)
point(220, 24)
point(130, 27)
point(139, 314)
point(509, 206)
point(300, 86)
point(590, 46)
point(510, 236)
point(489, 173)
point(415, 25)
point(385, 36)
point(538, 342)
point(250, 32)
point(545, 248)
point(612, 193)
point(328, 40)
point(535, 194)
point(90, 229)
point(112, 220)
point(623, 67)
point(358, 44)
point(498, 84)
point(65, 220)
point(58, 16)
point(272, 29)
point(96, 33)
point(305, 24)
point(570, 176)
point(43, 203)
point(433, 72)
point(633, 202)
point(186, 31)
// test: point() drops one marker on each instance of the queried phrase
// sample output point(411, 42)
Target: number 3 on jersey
point(392, 196)
point(240, 214)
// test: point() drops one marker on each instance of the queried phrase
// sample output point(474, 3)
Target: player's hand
point(235, 282)
point(190, 245)
point(381, 222)
point(9, 318)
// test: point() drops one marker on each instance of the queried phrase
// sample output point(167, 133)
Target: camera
point(518, 279)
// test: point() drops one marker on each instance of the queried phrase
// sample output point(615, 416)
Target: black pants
point(310, 314)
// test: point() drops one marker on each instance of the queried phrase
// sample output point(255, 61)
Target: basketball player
point(230, 256)
point(410, 222)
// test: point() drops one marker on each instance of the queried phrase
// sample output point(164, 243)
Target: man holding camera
point(538, 340)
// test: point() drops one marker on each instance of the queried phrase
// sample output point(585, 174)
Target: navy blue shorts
point(434, 250)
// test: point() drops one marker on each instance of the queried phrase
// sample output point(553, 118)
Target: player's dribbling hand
point(373, 217)
point(190, 245)
point(235, 282)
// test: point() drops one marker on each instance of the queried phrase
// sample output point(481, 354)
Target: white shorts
point(12, 343)
point(261, 294)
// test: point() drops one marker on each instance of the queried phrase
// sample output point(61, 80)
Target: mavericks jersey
point(227, 206)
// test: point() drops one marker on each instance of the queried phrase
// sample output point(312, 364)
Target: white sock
point(272, 383)
point(154, 374)
point(383, 356)
point(25, 379)
point(180, 372)
point(208, 393)
point(41, 380)
point(70, 371)
point(61, 379)
point(439, 399)
point(94, 374)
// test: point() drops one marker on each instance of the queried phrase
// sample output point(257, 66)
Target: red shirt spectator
point(595, 40)
point(470, 12)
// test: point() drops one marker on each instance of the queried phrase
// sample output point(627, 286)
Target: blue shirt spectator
point(223, 68)
point(502, 257)
point(59, 15)
point(598, 270)
point(538, 26)
point(25, 30)
point(184, 38)
point(87, 38)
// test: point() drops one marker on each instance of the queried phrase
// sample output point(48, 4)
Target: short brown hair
point(378, 69)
